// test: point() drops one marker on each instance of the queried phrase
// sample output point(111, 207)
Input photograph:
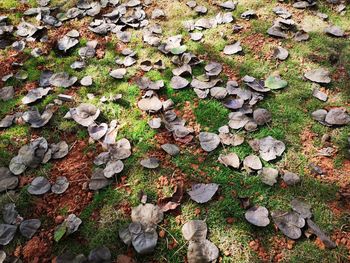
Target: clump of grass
point(211, 115)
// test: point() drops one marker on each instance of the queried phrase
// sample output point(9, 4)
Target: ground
point(105, 212)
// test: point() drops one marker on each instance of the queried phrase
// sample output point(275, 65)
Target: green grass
point(211, 115)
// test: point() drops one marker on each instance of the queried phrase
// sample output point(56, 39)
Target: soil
point(257, 247)
point(37, 250)
point(7, 61)
point(257, 42)
point(230, 73)
point(339, 176)
point(331, 173)
point(77, 167)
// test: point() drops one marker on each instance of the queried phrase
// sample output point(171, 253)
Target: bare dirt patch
point(331, 173)
point(77, 167)
point(257, 247)
point(257, 42)
point(7, 61)
point(338, 176)
point(37, 250)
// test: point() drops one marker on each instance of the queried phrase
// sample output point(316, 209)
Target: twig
point(283, 214)
point(268, 126)
point(71, 147)
point(169, 233)
point(177, 251)
point(344, 226)
point(79, 180)
point(7, 193)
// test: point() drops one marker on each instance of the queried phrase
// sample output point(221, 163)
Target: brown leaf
point(194, 166)
point(172, 245)
point(184, 140)
point(245, 202)
point(230, 220)
point(171, 203)
point(178, 220)
point(125, 259)
point(161, 233)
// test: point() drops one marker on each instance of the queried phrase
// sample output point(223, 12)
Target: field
point(106, 211)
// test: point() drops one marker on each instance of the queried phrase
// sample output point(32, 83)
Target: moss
point(211, 115)
point(309, 252)
point(9, 136)
point(82, 134)
point(8, 4)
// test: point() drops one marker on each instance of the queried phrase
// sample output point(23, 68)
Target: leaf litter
point(241, 99)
